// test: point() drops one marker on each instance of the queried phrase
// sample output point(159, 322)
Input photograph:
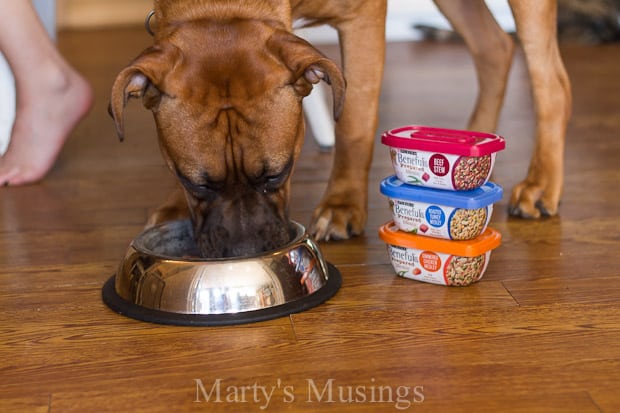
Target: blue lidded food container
point(454, 215)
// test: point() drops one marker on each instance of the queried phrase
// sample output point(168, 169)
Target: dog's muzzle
point(241, 225)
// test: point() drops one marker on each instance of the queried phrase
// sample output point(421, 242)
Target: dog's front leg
point(343, 209)
point(174, 208)
point(539, 194)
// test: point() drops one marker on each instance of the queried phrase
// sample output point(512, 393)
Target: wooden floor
point(539, 333)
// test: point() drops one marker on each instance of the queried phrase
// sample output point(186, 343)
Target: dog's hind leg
point(540, 192)
point(492, 50)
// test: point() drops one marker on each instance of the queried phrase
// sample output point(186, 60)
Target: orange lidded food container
point(439, 261)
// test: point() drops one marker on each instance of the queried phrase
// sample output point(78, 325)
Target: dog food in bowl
point(456, 215)
point(442, 158)
point(438, 261)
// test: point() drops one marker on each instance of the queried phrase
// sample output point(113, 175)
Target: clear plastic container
point(438, 261)
point(450, 159)
point(455, 215)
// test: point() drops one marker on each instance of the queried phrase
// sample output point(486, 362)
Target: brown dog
point(225, 80)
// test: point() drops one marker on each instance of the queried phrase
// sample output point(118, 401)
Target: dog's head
point(226, 98)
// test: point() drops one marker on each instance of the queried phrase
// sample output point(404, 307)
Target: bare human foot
point(46, 114)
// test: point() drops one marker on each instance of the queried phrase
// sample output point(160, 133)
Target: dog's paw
point(533, 201)
point(337, 222)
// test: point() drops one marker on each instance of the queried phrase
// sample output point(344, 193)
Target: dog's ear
point(142, 78)
point(309, 66)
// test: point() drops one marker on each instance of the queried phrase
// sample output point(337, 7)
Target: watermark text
point(401, 397)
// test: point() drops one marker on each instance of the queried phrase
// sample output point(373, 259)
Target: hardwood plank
point(65, 247)
point(558, 291)
point(377, 288)
point(452, 325)
point(606, 397)
point(162, 400)
point(32, 403)
point(486, 385)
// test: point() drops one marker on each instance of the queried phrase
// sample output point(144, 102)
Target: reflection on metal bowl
point(161, 280)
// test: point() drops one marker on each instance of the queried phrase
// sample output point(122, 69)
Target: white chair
point(319, 116)
point(317, 108)
point(7, 103)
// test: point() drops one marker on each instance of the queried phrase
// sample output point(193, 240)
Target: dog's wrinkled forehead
point(229, 61)
point(210, 80)
point(223, 93)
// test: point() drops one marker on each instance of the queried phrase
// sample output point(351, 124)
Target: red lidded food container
point(441, 158)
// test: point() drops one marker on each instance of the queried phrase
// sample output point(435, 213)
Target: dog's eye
point(199, 190)
point(273, 182)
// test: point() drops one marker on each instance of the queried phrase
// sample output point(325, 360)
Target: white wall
point(404, 14)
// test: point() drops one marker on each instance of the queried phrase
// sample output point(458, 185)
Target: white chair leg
point(319, 117)
point(7, 103)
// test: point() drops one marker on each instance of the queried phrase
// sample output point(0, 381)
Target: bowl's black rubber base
point(121, 306)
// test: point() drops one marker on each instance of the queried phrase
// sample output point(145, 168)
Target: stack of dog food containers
point(441, 201)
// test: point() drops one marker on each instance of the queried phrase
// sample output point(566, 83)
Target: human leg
point(51, 96)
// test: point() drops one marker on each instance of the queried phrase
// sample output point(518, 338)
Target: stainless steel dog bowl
point(160, 281)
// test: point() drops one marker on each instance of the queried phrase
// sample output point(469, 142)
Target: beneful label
point(442, 171)
point(437, 268)
point(440, 221)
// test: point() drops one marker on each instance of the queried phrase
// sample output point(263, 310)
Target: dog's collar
point(147, 22)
